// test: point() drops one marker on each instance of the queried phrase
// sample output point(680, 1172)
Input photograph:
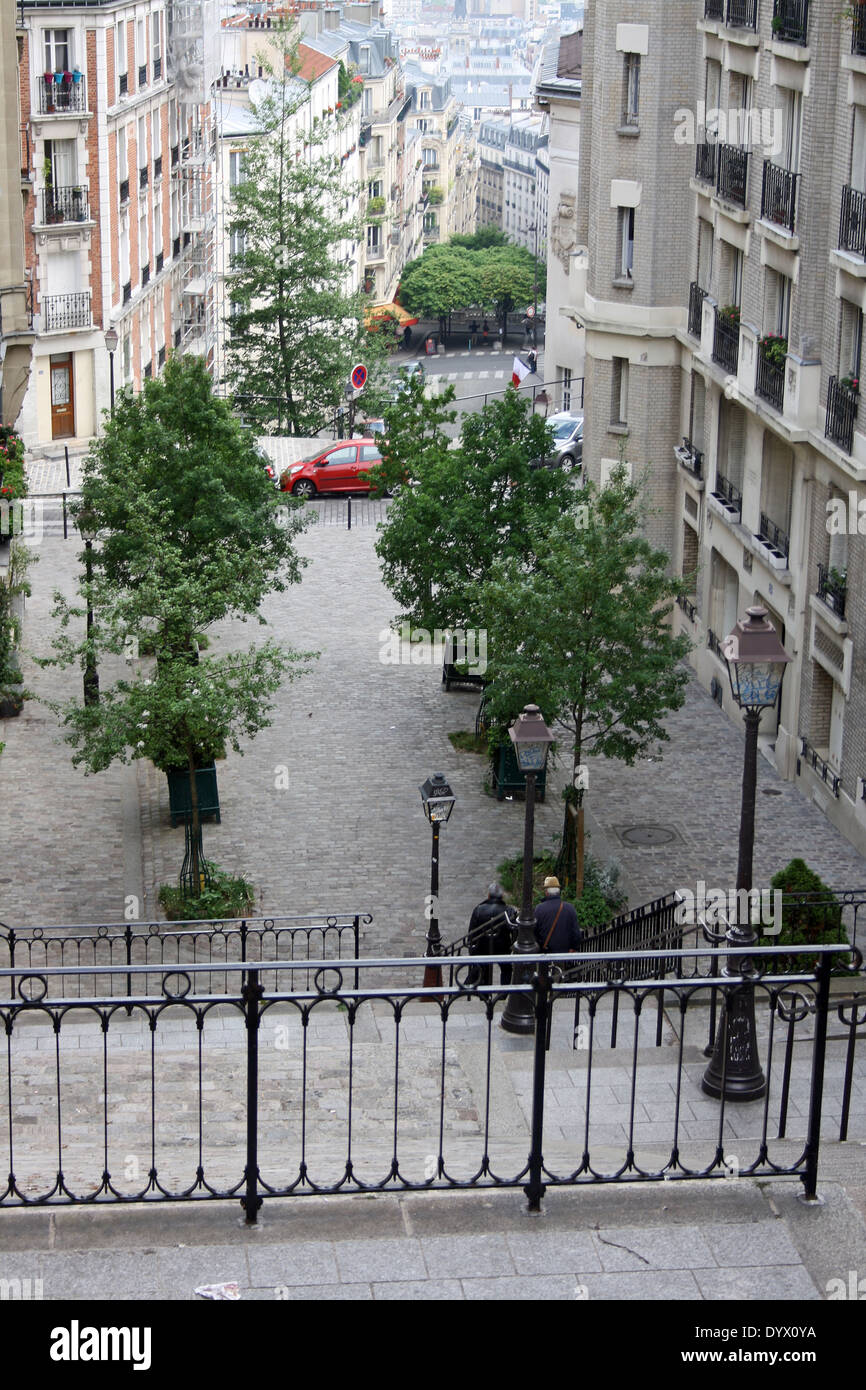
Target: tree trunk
point(195, 826)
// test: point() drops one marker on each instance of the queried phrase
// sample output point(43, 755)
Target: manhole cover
point(771, 791)
point(648, 836)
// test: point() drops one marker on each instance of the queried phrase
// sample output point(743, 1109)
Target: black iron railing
point(705, 162)
point(157, 69)
point(696, 308)
point(123, 84)
point(688, 607)
point(157, 167)
point(791, 20)
point(143, 177)
point(127, 292)
point(812, 758)
point(832, 589)
point(726, 344)
point(302, 1064)
point(66, 311)
point(145, 274)
point(142, 74)
point(842, 406)
point(779, 195)
point(714, 9)
point(57, 98)
point(770, 381)
point(65, 205)
point(858, 36)
point(691, 458)
point(773, 535)
point(733, 174)
point(743, 14)
point(852, 221)
point(714, 644)
point(124, 190)
point(728, 492)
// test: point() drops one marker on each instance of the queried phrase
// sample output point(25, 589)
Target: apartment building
point(448, 159)
point(722, 199)
point(118, 138)
point(16, 334)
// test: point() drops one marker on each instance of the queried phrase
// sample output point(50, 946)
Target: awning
point(395, 311)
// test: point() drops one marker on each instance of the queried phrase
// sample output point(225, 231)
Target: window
point(124, 250)
point(373, 237)
point(792, 108)
point(236, 168)
point(58, 50)
point(156, 40)
point(705, 253)
point(142, 141)
point(777, 472)
point(631, 89)
point(157, 225)
point(732, 444)
point(619, 391)
point(126, 357)
point(367, 107)
point(156, 136)
point(120, 48)
point(237, 247)
point(141, 45)
point(122, 160)
point(626, 243)
point(63, 157)
point(565, 373)
point(423, 126)
point(724, 596)
point(850, 340)
point(374, 188)
point(712, 95)
point(143, 242)
point(431, 158)
point(424, 104)
point(697, 412)
point(364, 58)
point(736, 275)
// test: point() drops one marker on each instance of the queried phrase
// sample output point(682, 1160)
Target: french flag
point(519, 371)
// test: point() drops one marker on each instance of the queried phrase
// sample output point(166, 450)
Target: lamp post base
point(735, 1071)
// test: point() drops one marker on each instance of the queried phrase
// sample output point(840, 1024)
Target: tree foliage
point(297, 328)
point(585, 634)
point(481, 271)
point(188, 532)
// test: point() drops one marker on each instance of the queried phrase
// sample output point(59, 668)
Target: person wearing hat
point(490, 935)
point(556, 925)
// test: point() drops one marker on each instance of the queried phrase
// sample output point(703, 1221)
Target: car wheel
point(568, 462)
point(304, 489)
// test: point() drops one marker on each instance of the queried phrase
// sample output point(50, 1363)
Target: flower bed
point(13, 483)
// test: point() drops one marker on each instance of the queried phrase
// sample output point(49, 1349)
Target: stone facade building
point(722, 206)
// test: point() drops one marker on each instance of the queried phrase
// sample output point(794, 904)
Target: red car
point(335, 469)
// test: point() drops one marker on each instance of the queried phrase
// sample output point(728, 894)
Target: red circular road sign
point(359, 377)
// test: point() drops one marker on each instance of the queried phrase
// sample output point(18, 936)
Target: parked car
point(405, 372)
point(267, 464)
point(335, 469)
point(567, 430)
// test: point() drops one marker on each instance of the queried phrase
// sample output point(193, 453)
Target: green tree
point(296, 329)
point(415, 441)
point(584, 633)
point(467, 505)
point(509, 276)
point(189, 532)
point(442, 280)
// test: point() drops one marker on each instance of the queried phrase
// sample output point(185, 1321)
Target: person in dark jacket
point(490, 935)
point(556, 924)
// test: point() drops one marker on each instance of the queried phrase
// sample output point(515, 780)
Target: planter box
point(507, 777)
point(774, 558)
point(180, 804)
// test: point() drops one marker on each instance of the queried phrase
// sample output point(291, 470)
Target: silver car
point(566, 428)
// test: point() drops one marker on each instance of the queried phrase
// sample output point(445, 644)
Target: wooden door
point(62, 398)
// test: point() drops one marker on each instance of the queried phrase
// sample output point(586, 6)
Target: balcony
point(726, 343)
point(779, 195)
point(770, 382)
point(696, 308)
point(714, 9)
point(733, 175)
point(705, 163)
point(743, 14)
point(791, 20)
point(833, 589)
point(691, 458)
point(61, 98)
point(728, 497)
point(61, 312)
point(852, 223)
point(858, 37)
point(775, 541)
point(842, 404)
point(64, 205)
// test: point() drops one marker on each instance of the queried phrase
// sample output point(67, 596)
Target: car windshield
point(565, 429)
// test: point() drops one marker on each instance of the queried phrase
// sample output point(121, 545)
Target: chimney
point(331, 17)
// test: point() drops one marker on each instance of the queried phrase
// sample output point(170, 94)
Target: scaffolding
point(193, 65)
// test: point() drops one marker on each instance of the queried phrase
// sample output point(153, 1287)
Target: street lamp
point(91, 677)
point(756, 665)
point(531, 739)
point(111, 341)
point(533, 227)
point(438, 801)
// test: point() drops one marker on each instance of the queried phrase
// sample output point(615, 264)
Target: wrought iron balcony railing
point(791, 20)
point(842, 405)
point(696, 308)
point(58, 98)
point(770, 382)
point(64, 311)
point(688, 607)
point(714, 644)
point(64, 205)
point(714, 9)
point(728, 492)
point(774, 536)
point(820, 765)
point(832, 589)
point(726, 344)
point(852, 223)
point(779, 195)
point(691, 458)
point(743, 14)
point(705, 162)
point(733, 175)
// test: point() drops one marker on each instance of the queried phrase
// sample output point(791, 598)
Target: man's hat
point(551, 882)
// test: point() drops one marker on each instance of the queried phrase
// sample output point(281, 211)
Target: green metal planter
point(507, 777)
point(180, 803)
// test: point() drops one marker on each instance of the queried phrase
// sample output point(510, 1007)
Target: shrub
point(227, 895)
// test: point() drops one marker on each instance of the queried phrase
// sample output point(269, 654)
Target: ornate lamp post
point(531, 739)
point(756, 665)
point(438, 801)
point(111, 341)
point(91, 676)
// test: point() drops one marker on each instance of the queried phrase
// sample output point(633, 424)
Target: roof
point(312, 64)
point(235, 120)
